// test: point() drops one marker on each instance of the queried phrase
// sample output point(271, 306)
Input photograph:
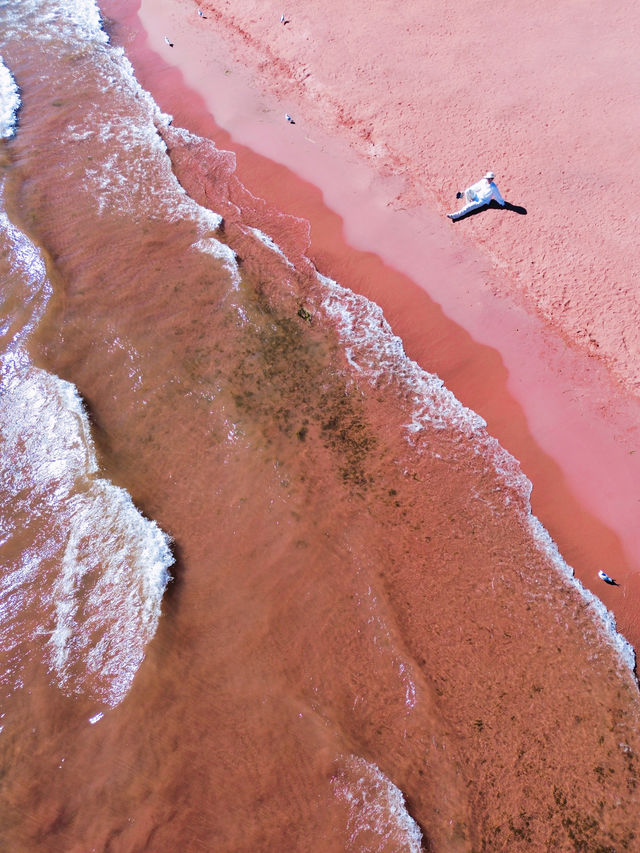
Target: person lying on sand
point(478, 195)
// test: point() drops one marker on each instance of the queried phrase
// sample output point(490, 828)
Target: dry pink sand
point(437, 92)
point(395, 108)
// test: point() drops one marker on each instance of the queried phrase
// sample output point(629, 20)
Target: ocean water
point(266, 584)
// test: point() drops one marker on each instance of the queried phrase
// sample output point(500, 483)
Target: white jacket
point(483, 191)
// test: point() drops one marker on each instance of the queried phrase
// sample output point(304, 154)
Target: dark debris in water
point(290, 378)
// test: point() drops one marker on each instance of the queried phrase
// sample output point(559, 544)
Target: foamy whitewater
point(106, 565)
point(9, 102)
point(334, 667)
point(377, 811)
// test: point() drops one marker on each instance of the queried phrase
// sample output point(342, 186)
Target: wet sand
point(466, 313)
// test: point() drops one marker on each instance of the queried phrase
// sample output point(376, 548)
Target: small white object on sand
point(170, 43)
point(282, 18)
point(289, 119)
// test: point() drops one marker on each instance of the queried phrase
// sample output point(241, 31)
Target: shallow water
point(368, 643)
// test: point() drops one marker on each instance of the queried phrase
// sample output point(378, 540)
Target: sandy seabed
point(532, 320)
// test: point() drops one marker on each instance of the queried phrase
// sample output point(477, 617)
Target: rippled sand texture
point(369, 643)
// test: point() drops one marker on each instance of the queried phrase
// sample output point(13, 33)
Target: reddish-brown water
point(369, 643)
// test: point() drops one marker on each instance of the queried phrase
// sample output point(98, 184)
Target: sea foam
point(376, 808)
point(54, 20)
point(113, 573)
point(137, 173)
point(91, 570)
point(9, 102)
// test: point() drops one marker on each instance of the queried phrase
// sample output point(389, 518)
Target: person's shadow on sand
point(493, 205)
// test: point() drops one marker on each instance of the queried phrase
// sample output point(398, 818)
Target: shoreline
point(497, 359)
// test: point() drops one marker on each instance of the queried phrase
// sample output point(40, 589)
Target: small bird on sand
point(170, 43)
point(200, 12)
point(282, 18)
point(605, 577)
point(289, 119)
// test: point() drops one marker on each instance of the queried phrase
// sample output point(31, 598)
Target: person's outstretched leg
point(473, 205)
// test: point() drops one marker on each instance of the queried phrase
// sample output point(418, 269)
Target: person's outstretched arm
point(497, 196)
